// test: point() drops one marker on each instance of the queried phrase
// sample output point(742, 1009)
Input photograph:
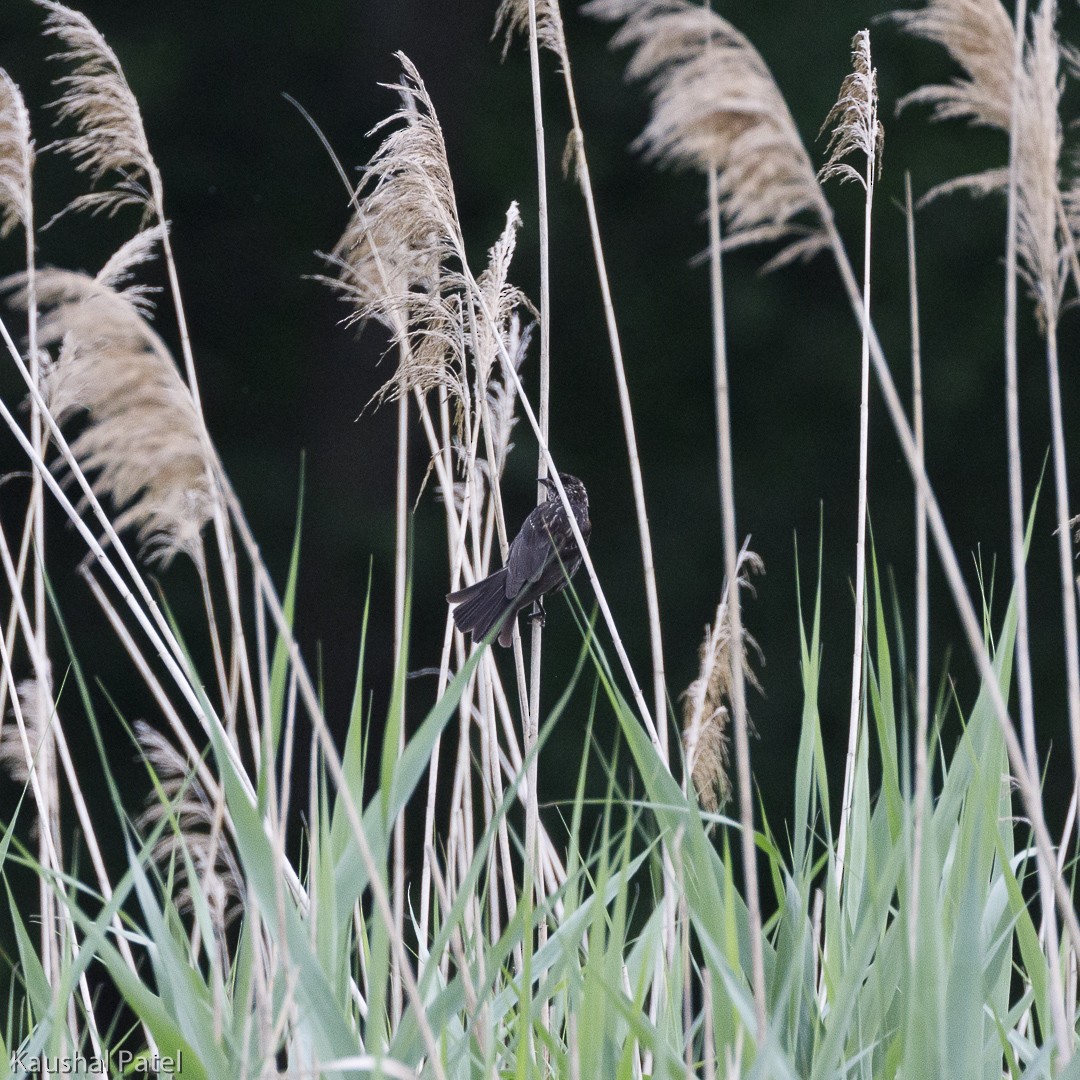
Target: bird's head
point(575, 489)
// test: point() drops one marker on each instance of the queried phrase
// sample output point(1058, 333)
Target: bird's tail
point(482, 607)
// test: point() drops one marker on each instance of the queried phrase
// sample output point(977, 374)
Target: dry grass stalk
point(716, 108)
point(110, 137)
point(857, 130)
point(707, 700)
point(144, 437)
point(28, 753)
point(922, 595)
point(715, 105)
point(543, 21)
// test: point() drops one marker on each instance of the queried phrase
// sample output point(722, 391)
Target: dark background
point(252, 196)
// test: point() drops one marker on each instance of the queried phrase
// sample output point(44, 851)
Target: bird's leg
point(538, 614)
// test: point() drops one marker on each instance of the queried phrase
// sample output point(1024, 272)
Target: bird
point(542, 559)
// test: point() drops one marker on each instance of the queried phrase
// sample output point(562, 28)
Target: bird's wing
point(531, 550)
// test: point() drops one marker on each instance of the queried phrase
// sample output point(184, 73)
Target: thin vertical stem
point(400, 572)
point(1017, 525)
point(586, 560)
point(734, 608)
point(46, 760)
point(1068, 579)
point(922, 594)
point(857, 660)
point(708, 1042)
point(1027, 782)
point(1064, 531)
point(532, 810)
point(651, 596)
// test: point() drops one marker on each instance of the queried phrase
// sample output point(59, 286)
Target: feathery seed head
point(196, 842)
point(1038, 157)
point(16, 158)
point(855, 118)
point(513, 18)
point(23, 749)
point(109, 138)
point(979, 36)
point(500, 297)
point(391, 259)
point(717, 107)
point(706, 699)
point(144, 443)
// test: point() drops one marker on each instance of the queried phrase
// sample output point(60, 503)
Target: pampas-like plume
point(1038, 156)
point(502, 393)
point(16, 158)
point(855, 116)
point(144, 439)
point(196, 841)
point(513, 18)
point(500, 297)
point(706, 700)
point(717, 107)
point(390, 259)
point(978, 35)
point(96, 97)
point(13, 751)
point(501, 414)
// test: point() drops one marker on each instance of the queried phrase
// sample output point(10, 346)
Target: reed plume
point(391, 259)
point(979, 36)
point(16, 158)
point(707, 700)
point(143, 441)
point(35, 727)
point(854, 119)
point(491, 339)
point(981, 39)
point(1038, 180)
point(110, 139)
point(196, 841)
point(715, 105)
point(513, 18)
point(502, 393)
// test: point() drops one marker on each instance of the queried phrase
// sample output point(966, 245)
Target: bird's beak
point(550, 485)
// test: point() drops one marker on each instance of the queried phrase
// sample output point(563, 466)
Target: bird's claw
point(538, 614)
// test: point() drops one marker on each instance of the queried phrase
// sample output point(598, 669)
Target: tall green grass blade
point(279, 665)
point(807, 781)
point(353, 756)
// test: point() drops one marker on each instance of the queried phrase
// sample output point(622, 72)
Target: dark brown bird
point(543, 558)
